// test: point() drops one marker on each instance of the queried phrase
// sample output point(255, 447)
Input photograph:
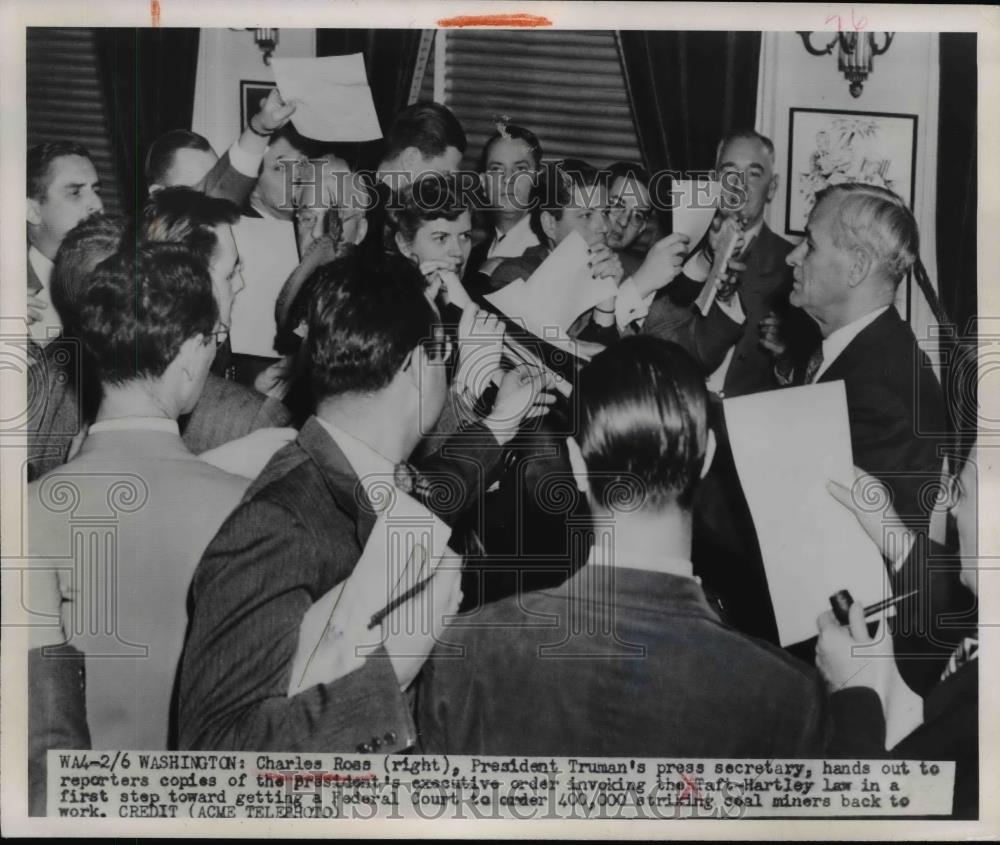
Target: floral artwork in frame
point(831, 147)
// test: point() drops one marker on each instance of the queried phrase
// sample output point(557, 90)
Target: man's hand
point(871, 503)
point(275, 381)
point(847, 656)
point(274, 113)
point(480, 350)
point(36, 308)
point(724, 227)
point(525, 392)
point(248, 455)
point(770, 335)
point(604, 264)
point(663, 262)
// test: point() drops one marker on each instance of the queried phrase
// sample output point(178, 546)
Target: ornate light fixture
point(855, 55)
point(267, 40)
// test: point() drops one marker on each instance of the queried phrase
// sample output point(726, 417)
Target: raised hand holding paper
point(332, 99)
point(694, 207)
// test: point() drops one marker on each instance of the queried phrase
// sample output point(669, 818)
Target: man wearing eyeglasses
point(633, 226)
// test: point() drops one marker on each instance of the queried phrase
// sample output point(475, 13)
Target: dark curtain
point(390, 56)
point(687, 90)
point(956, 178)
point(148, 77)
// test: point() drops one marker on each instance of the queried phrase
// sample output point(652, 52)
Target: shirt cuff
point(630, 305)
point(697, 267)
point(733, 309)
point(243, 162)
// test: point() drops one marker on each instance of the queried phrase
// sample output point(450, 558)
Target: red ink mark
point(517, 20)
point(689, 788)
point(857, 24)
point(154, 11)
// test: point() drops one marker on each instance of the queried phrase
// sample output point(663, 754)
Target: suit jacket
point(57, 713)
point(615, 662)
point(157, 507)
point(226, 411)
point(298, 532)
point(896, 411)
point(949, 731)
point(226, 182)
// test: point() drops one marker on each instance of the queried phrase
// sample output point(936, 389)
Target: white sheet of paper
point(694, 207)
point(558, 292)
point(787, 444)
point(332, 99)
point(407, 544)
point(269, 254)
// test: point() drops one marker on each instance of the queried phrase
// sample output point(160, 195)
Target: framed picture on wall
point(251, 93)
point(827, 147)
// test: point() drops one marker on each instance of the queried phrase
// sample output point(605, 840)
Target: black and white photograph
point(477, 417)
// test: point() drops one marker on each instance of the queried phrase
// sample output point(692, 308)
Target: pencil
point(400, 600)
point(885, 604)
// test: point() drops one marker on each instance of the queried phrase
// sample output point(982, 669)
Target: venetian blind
point(566, 86)
point(65, 100)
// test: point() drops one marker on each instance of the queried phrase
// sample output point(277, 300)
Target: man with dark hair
point(633, 663)
point(147, 322)
point(203, 225)
point(634, 223)
point(273, 195)
point(377, 363)
point(425, 137)
point(62, 189)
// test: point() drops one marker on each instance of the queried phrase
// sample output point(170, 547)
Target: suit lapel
point(861, 349)
point(34, 283)
point(340, 478)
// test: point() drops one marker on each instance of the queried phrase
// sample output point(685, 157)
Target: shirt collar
point(840, 339)
point(513, 242)
point(50, 325)
point(370, 466)
point(41, 265)
point(136, 424)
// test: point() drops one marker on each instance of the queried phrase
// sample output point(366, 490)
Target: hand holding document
point(787, 444)
point(730, 238)
point(396, 596)
point(268, 254)
point(332, 99)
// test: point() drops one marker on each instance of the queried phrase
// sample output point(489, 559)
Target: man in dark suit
point(860, 242)
point(377, 363)
point(626, 658)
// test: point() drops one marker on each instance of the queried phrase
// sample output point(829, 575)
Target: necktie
point(812, 365)
point(967, 650)
point(430, 493)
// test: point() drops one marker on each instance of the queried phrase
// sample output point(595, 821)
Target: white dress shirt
point(513, 242)
point(50, 325)
point(372, 468)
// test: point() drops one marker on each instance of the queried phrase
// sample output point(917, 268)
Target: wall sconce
point(855, 55)
point(267, 40)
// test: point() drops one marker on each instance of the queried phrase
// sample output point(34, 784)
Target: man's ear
point(359, 235)
point(578, 465)
point(862, 264)
point(34, 212)
point(411, 365)
point(549, 224)
point(189, 359)
point(706, 464)
point(772, 188)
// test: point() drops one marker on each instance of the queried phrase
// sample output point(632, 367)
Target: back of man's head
point(877, 221)
point(430, 127)
point(642, 425)
point(85, 246)
point(39, 162)
point(186, 216)
point(139, 308)
point(363, 324)
point(163, 152)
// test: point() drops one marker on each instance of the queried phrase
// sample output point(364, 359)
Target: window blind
point(65, 100)
point(566, 86)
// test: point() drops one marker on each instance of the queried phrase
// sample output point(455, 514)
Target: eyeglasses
point(625, 215)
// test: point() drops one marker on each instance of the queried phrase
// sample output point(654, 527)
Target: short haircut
point(164, 149)
point(553, 190)
point(430, 196)
point(511, 131)
point(84, 247)
point(40, 158)
point(430, 127)
point(140, 307)
point(642, 425)
point(363, 324)
point(185, 216)
point(745, 134)
point(878, 221)
point(628, 170)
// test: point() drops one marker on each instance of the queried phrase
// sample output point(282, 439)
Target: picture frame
point(828, 146)
point(251, 93)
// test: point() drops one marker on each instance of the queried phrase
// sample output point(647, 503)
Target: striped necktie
point(967, 650)
point(812, 365)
